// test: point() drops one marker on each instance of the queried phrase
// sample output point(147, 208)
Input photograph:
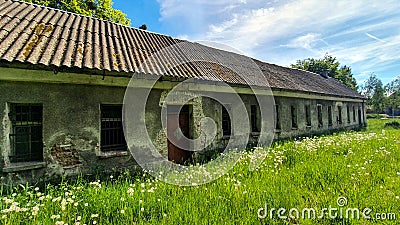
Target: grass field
point(354, 170)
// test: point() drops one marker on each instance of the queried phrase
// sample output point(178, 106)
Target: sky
point(362, 34)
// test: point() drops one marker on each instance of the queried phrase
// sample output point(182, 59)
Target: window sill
point(295, 128)
point(226, 137)
point(16, 167)
point(308, 127)
point(112, 154)
point(277, 130)
point(255, 133)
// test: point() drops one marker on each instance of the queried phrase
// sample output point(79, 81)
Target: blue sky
point(362, 34)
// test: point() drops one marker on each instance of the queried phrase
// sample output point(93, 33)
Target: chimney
point(324, 73)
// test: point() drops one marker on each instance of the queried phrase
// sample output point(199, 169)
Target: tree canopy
point(328, 64)
point(101, 9)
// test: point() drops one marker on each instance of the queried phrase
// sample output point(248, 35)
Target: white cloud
point(360, 33)
point(307, 41)
point(374, 37)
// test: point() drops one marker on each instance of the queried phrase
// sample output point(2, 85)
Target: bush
point(394, 124)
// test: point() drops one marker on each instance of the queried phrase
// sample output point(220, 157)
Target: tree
point(374, 91)
point(393, 94)
point(329, 65)
point(101, 9)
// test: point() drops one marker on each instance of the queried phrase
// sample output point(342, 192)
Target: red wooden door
point(177, 154)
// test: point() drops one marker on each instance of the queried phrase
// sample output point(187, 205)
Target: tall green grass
point(363, 167)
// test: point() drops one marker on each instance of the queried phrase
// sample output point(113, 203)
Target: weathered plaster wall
point(71, 123)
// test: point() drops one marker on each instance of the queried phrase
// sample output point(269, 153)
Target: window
point(340, 114)
point(226, 122)
point(277, 118)
point(112, 133)
point(254, 118)
point(330, 116)
point(319, 109)
point(26, 132)
point(348, 114)
point(293, 112)
point(307, 109)
point(354, 114)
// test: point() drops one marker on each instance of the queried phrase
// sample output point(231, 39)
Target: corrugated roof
point(40, 35)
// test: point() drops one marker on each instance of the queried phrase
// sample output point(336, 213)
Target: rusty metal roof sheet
point(40, 35)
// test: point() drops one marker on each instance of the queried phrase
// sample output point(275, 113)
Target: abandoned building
point(63, 79)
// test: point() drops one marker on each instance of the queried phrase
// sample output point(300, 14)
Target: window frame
point(307, 109)
point(33, 126)
point(294, 119)
point(226, 121)
point(111, 125)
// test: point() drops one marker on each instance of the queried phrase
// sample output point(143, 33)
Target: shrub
point(394, 124)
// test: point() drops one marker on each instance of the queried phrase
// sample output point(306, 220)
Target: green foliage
point(101, 9)
point(394, 124)
point(305, 173)
point(374, 91)
point(329, 65)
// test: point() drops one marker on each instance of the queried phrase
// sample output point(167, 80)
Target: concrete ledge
point(112, 154)
point(16, 167)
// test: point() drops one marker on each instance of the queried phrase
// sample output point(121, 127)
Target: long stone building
point(63, 79)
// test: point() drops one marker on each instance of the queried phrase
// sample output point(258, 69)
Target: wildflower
point(94, 215)
point(86, 204)
point(122, 211)
point(397, 197)
point(111, 177)
point(122, 199)
point(60, 223)
point(140, 201)
point(36, 189)
point(130, 191)
point(53, 217)
point(142, 209)
point(95, 222)
point(4, 217)
point(78, 218)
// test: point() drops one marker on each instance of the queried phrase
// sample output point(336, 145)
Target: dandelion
point(36, 189)
point(95, 222)
point(94, 215)
point(130, 191)
point(122, 199)
point(142, 209)
point(78, 218)
point(140, 201)
point(122, 211)
point(86, 204)
point(4, 217)
point(397, 197)
point(53, 217)
point(60, 223)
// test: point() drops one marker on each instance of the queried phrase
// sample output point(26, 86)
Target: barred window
point(254, 119)
point(348, 114)
point(340, 121)
point(330, 116)
point(26, 135)
point(112, 133)
point(277, 117)
point(293, 112)
point(320, 122)
point(226, 122)
point(307, 109)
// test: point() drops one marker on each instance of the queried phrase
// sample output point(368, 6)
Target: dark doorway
point(177, 154)
point(359, 117)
